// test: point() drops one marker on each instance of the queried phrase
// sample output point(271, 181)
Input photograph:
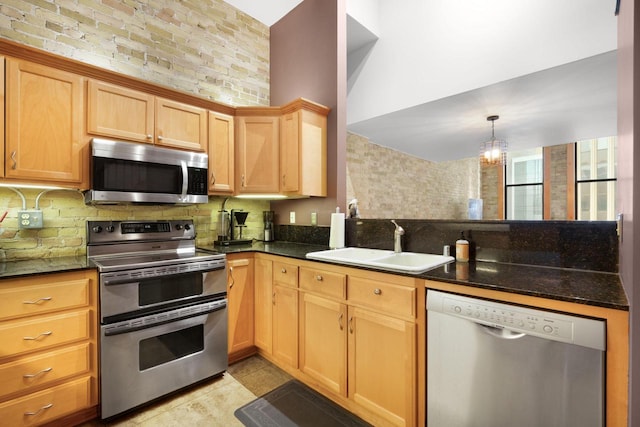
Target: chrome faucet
point(397, 237)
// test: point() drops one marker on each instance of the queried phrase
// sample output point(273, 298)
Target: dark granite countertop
point(9, 269)
point(572, 285)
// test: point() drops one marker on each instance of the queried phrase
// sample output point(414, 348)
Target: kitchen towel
point(336, 233)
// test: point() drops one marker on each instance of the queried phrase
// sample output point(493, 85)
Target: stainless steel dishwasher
point(495, 364)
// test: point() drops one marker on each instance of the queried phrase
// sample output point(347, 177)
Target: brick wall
point(205, 47)
point(391, 184)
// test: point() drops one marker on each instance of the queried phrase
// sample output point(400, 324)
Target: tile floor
point(211, 403)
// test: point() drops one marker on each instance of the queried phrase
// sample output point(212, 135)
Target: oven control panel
point(122, 231)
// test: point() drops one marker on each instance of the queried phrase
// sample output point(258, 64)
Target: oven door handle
point(185, 179)
point(167, 319)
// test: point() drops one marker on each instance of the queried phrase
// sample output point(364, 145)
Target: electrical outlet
point(314, 218)
point(30, 218)
point(292, 217)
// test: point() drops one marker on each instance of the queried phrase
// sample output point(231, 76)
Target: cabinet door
point(2, 114)
point(221, 154)
point(118, 112)
point(323, 341)
point(44, 124)
point(290, 153)
point(240, 304)
point(257, 155)
point(180, 125)
point(285, 325)
point(263, 304)
point(382, 365)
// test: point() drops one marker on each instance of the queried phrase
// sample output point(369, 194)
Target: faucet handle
point(399, 229)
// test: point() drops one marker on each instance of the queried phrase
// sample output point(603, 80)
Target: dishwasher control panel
point(529, 321)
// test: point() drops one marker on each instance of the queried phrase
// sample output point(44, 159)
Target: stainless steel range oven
point(163, 310)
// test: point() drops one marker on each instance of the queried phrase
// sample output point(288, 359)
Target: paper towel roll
point(336, 233)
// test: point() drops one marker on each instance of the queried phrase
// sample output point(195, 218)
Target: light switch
point(292, 217)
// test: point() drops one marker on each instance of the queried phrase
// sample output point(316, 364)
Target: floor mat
point(293, 404)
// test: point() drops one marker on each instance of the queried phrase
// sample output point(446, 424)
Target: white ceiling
point(573, 100)
point(266, 11)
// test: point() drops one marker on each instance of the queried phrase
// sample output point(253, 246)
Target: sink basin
point(404, 262)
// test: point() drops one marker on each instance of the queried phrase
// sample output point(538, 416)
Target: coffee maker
point(238, 219)
point(267, 217)
point(230, 227)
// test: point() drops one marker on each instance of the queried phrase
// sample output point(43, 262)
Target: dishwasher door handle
point(501, 333)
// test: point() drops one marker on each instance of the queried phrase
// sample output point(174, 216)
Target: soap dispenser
point(462, 249)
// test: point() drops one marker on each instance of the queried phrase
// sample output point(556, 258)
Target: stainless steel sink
point(404, 262)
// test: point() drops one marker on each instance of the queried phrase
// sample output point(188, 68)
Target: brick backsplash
point(65, 216)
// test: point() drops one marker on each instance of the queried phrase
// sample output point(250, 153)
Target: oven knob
point(178, 227)
point(96, 229)
point(110, 228)
point(187, 227)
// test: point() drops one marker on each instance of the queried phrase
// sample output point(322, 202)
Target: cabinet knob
point(149, 136)
point(160, 138)
point(213, 178)
point(319, 278)
point(283, 271)
point(242, 181)
point(377, 291)
point(13, 159)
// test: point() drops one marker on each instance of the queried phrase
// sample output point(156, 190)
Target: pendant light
point(494, 151)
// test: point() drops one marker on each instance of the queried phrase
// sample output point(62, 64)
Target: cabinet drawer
point(323, 282)
point(382, 296)
point(44, 332)
point(26, 300)
point(47, 405)
point(30, 372)
point(285, 274)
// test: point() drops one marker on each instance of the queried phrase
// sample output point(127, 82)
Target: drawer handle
point(319, 278)
point(39, 300)
point(35, 338)
point(283, 271)
point(44, 371)
point(377, 291)
point(45, 407)
point(232, 281)
point(340, 321)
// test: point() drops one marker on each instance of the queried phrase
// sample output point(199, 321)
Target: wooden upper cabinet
point(180, 125)
point(257, 161)
point(45, 136)
point(121, 113)
point(117, 112)
point(303, 149)
point(221, 154)
point(2, 114)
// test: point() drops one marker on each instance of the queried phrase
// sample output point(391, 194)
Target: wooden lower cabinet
point(48, 355)
point(323, 341)
point(240, 295)
point(285, 325)
point(382, 365)
point(263, 288)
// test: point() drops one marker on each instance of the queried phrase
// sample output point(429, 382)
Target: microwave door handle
point(185, 179)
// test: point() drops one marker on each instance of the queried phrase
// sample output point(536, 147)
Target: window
point(596, 165)
point(524, 178)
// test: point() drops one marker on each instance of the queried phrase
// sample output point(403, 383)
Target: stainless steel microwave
point(127, 172)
